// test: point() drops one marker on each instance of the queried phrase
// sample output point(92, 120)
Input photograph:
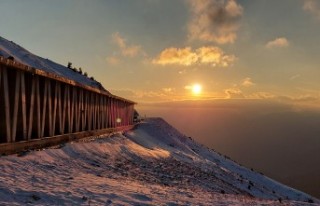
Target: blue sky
point(155, 50)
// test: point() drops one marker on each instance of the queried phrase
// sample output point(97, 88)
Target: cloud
point(214, 20)
point(168, 90)
point(261, 95)
point(313, 7)
point(126, 50)
point(185, 57)
point(247, 82)
point(234, 93)
point(277, 43)
point(213, 56)
point(113, 60)
point(294, 77)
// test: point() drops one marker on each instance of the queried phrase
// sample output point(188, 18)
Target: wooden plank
point(48, 82)
point(23, 103)
point(104, 112)
point(113, 114)
point(55, 103)
point(78, 112)
point(60, 109)
point(44, 109)
point(72, 105)
point(33, 85)
point(99, 112)
point(94, 112)
point(7, 104)
point(85, 110)
point(15, 107)
point(68, 108)
point(81, 110)
point(107, 112)
point(90, 105)
point(38, 107)
point(65, 106)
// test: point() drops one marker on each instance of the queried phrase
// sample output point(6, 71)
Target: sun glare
point(196, 89)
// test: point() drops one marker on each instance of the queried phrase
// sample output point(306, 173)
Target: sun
point(196, 89)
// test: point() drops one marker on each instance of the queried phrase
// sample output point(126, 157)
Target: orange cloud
point(278, 42)
point(234, 93)
point(214, 20)
point(126, 50)
point(313, 7)
point(213, 56)
point(247, 82)
point(173, 55)
point(113, 60)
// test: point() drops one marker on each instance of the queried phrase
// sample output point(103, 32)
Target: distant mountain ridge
point(9, 48)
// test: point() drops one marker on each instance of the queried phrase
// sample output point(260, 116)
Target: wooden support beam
point(7, 104)
point(89, 118)
point(72, 108)
point(38, 107)
point(23, 108)
point(79, 110)
point(15, 107)
point(44, 108)
point(60, 110)
point(55, 105)
point(33, 89)
point(69, 109)
point(94, 110)
point(107, 112)
point(85, 108)
point(48, 82)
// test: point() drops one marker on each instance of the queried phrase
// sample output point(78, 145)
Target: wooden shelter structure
point(35, 104)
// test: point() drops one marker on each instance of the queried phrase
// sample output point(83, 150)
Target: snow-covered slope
point(152, 164)
point(9, 48)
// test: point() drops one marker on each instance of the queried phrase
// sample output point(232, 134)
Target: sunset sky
point(156, 50)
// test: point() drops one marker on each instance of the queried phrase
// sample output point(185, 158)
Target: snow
point(9, 48)
point(152, 164)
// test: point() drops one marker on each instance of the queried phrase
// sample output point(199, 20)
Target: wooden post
point(107, 112)
point(7, 104)
point(69, 109)
point(38, 107)
point(55, 103)
point(85, 108)
point(60, 110)
point(23, 103)
point(33, 85)
point(48, 82)
point(44, 106)
point(79, 109)
point(94, 110)
point(72, 109)
point(16, 107)
point(66, 88)
point(89, 108)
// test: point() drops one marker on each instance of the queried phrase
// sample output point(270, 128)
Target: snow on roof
point(9, 48)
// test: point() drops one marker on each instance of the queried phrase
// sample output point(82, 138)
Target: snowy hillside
point(9, 48)
point(153, 164)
